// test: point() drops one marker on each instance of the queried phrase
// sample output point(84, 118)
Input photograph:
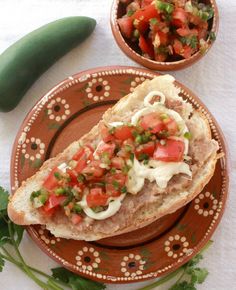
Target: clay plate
point(64, 114)
point(132, 51)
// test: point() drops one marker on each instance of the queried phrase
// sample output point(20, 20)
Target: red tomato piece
point(186, 31)
point(179, 17)
point(79, 154)
point(171, 126)
point(73, 175)
point(202, 33)
point(188, 51)
point(146, 46)
point(126, 26)
point(152, 122)
point(106, 147)
point(146, 13)
point(51, 181)
point(48, 212)
point(106, 136)
point(54, 201)
point(81, 164)
point(96, 197)
point(117, 162)
point(114, 183)
point(76, 218)
point(93, 170)
point(178, 47)
point(160, 57)
point(172, 151)
point(123, 133)
point(163, 37)
point(147, 148)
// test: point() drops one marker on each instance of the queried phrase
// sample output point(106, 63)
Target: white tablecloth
point(213, 79)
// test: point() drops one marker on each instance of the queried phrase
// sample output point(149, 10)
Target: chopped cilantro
point(143, 156)
point(131, 157)
point(164, 6)
point(77, 208)
point(113, 170)
point(153, 21)
point(35, 194)
point(116, 184)
point(130, 13)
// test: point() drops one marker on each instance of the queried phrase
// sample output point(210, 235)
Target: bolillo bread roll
point(154, 199)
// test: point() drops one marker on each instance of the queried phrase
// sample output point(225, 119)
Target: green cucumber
point(24, 61)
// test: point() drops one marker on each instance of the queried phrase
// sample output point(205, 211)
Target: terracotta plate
point(68, 111)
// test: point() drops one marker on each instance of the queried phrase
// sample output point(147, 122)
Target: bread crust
point(21, 211)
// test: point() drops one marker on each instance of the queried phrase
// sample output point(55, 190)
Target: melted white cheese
point(158, 171)
point(113, 207)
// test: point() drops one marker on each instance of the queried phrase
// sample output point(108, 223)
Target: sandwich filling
point(152, 146)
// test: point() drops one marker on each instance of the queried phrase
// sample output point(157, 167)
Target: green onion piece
point(59, 191)
point(187, 135)
point(153, 21)
point(124, 189)
point(43, 198)
point(57, 175)
point(143, 156)
point(77, 208)
point(138, 139)
point(113, 170)
point(131, 157)
point(81, 178)
point(35, 194)
point(130, 13)
point(212, 36)
point(164, 7)
point(116, 184)
point(136, 33)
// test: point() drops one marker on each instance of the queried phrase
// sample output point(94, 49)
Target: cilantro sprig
point(189, 275)
point(10, 238)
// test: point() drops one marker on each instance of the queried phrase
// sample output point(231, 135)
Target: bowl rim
point(165, 65)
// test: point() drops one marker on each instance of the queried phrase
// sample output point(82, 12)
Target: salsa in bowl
point(164, 34)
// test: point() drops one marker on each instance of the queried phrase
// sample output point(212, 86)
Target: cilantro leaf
point(3, 199)
point(74, 281)
point(183, 286)
point(2, 263)
point(18, 230)
point(195, 260)
point(198, 275)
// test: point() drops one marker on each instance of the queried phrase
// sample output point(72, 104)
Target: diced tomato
point(106, 147)
point(72, 174)
point(152, 122)
point(54, 201)
point(147, 148)
point(163, 37)
point(79, 154)
point(76, 218)
point(117, 162)
point(146, 46)
point(160, 57)
point(195, 19)
point(48, 212)
point(188, 51)
point(82, 156)
point(126, 26)
point(114, 183)
point(178, 47)
point(81, 164)
point(106, 136)
point(171, 126)
point(186, 31)
point(179, 17)
point(123, 133)
point(51, 181)
point(93, 170)
point(146, 13)
point(171, 151)
point(202, 33)
point(96, 197)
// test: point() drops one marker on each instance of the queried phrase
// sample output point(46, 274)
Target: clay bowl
point(132, 50)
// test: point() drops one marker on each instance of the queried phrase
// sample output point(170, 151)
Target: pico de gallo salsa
point(167, 30)
point(98, 174)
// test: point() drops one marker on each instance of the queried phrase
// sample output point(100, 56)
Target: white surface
point(213, 79)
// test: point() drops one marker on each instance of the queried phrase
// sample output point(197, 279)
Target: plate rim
point(127, 70)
